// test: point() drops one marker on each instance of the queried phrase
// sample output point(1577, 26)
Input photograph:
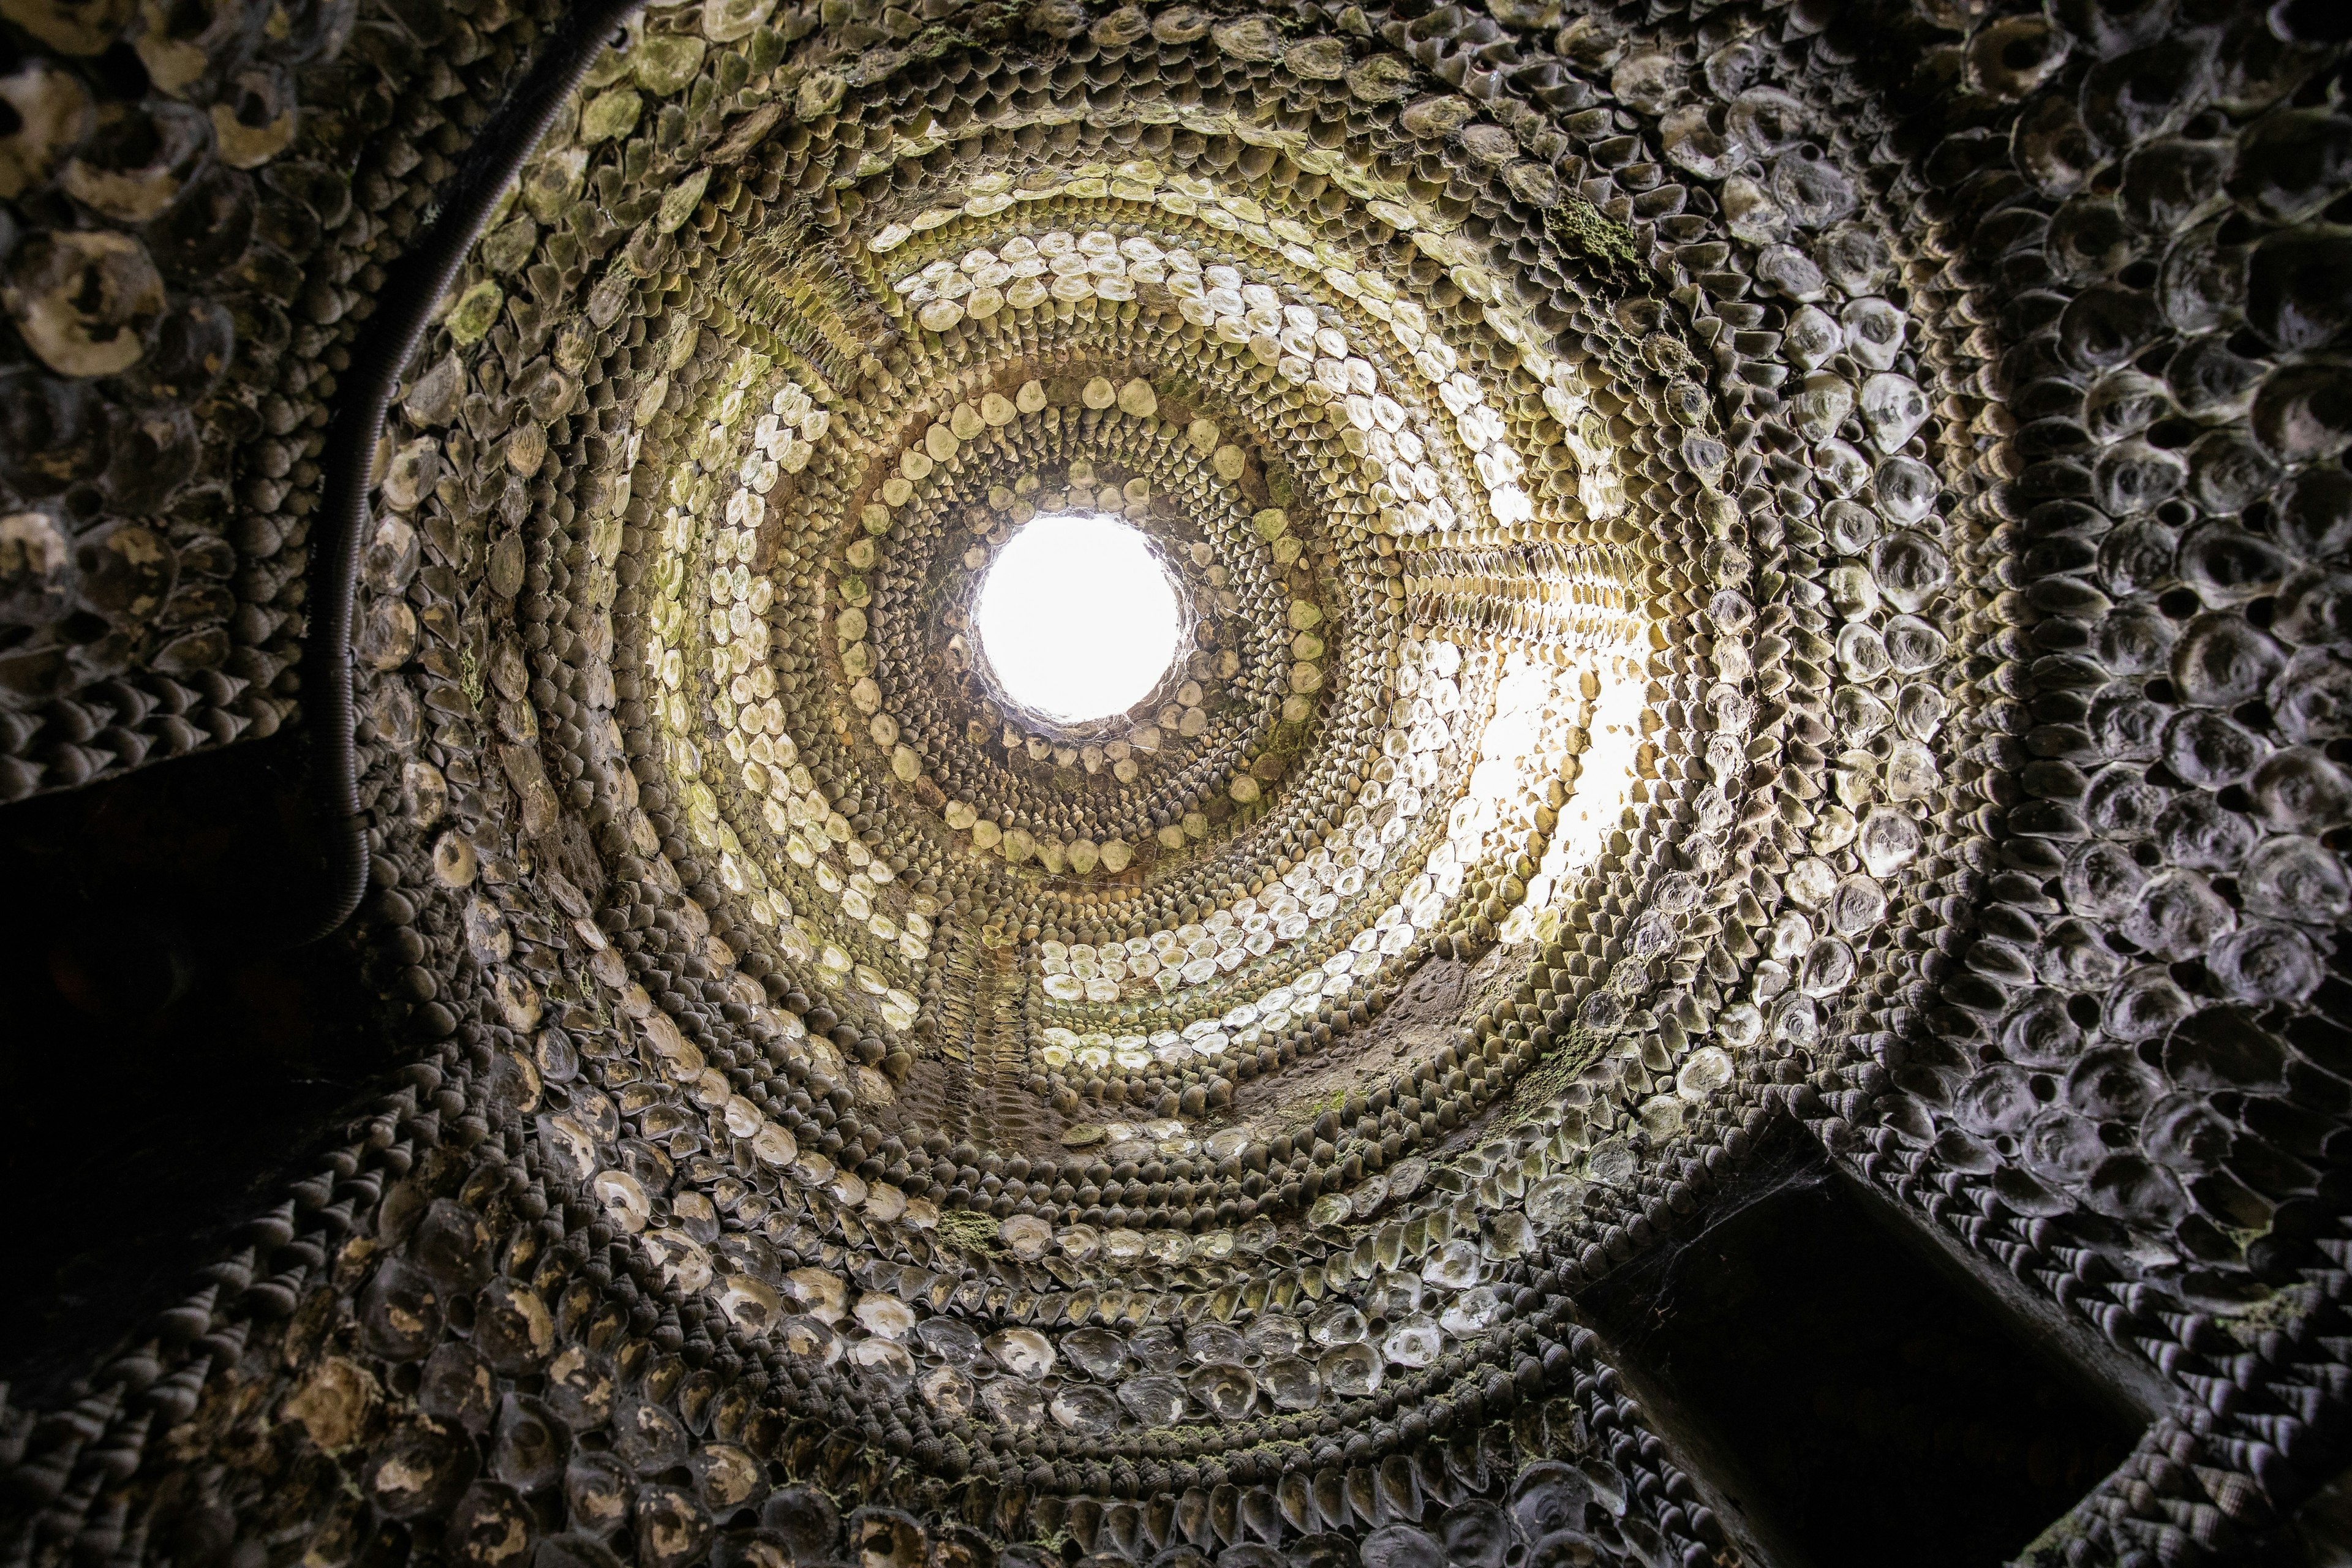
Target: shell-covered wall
point(200, 203)
point(1742, 564)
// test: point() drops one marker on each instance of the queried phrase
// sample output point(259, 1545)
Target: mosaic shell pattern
point(1739, 563)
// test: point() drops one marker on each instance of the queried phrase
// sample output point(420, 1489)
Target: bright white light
point(1078, 617)
point(1605, 780)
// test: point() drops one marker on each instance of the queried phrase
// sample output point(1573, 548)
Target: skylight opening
point(1078, 617)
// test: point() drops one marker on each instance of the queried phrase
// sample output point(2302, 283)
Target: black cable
point(413, 286)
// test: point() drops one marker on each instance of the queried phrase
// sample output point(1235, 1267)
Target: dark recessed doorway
point(1840, 1393)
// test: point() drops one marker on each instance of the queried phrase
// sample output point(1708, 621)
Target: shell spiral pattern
point(1743, 569)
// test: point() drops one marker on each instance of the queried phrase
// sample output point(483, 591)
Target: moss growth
point(992, 22)
point(1579, 224)
point(584, 993)
point(469, 679)
point(974, 1232)
point(2240, 1237)
point(2281, 1310)
point(1549, 1078)
point(1288, 742)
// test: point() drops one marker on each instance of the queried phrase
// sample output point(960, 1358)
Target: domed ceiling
point(1729, 562)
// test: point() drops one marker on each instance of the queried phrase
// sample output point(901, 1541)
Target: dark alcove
point(162, 1045)
point(1837, 1389)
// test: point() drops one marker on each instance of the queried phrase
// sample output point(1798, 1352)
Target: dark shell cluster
point(1742, 564)
point(202, 205)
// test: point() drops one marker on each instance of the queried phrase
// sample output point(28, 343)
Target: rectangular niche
point(1844, 1396)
